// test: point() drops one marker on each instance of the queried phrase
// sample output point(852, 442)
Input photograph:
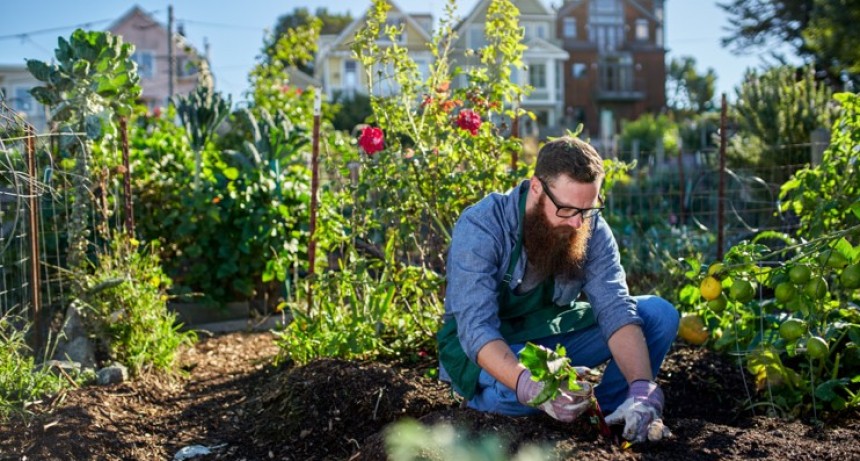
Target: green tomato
point(816, 288)
point(800, 274)
point(742, 291)
point(785, 292)
point(792, 329)
point(817, 348)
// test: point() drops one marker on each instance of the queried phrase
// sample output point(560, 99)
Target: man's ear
point(534, 183)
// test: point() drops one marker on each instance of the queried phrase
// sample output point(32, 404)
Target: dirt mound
point(329, 407)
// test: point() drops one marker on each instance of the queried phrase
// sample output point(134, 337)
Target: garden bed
point(235, 400)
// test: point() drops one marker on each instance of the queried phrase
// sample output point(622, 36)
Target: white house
point(544, 59)
point(341, 74)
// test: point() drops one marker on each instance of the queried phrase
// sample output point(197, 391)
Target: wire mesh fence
point(33, 216)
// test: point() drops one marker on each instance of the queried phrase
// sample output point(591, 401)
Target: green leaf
point(689, 295)
point(44, 96)
point(855, 208)
point(40, 70)
point(231, 173)
point(93, 126)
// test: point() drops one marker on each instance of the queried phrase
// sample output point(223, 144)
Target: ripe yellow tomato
point(692, 329)
point(710, 288)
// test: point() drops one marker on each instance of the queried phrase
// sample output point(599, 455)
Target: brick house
point(616, 70)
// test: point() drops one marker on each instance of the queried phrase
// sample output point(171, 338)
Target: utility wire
point(24, 35)
point(221, 25)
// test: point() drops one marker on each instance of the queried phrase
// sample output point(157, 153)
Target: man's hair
point(572, 157)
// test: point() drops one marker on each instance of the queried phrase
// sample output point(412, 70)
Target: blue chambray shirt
point(481, 249)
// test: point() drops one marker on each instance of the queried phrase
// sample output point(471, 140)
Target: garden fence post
point(315, 153)
point(34, 239)
point(515, 134)
point(818, 142)
point(681, 211)
point(721, 193)
point(126, 177)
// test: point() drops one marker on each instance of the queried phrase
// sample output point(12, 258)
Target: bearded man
point(517, 267)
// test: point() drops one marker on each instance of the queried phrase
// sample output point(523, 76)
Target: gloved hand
point(566, 407)
point(641, 413)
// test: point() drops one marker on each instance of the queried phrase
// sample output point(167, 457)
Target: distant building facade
point(15, 84)
point(543, 58)
point(342, 75)
point(150, 39)
point(616, 70)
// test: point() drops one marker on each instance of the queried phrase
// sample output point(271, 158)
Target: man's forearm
point(630, 352)
point(497, 358)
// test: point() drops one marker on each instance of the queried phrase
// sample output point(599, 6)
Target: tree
point(824, 32)
point(332, 23)
point(689, 91)
point(781, 107)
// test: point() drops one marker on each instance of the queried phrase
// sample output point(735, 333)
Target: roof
point(350, 29)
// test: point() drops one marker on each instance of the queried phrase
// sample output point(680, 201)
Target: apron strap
point(518, 248)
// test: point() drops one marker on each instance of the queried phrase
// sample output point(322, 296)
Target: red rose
point(371, 140)
point(469, 120)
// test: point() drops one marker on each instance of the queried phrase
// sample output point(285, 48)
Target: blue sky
point(235, 30)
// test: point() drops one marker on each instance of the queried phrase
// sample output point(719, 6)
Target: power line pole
point(170, 63)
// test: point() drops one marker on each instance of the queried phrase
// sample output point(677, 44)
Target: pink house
point(150, 39)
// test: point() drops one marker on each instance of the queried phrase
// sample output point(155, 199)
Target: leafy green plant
point(243, 223)
point(93, 81)
point(201, 112)
point(409, 440)
point(22, 381)
point(124, 302)
point(790, 301)
point(553, 369)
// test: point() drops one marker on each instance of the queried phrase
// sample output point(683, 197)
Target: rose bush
point(433, 148)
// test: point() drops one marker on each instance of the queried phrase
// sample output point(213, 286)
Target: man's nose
point(574, 221)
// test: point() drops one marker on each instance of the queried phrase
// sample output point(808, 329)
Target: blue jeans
point(587, 348)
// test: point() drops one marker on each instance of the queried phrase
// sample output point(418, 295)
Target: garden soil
point(238, 404)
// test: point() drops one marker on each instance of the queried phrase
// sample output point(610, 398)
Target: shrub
point(124, 302)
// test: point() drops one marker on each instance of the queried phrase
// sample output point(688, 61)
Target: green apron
point(524, 317)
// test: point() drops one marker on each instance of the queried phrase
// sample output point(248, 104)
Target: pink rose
point(371, 140)
point(469, 120)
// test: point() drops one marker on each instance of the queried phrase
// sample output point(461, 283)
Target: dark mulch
point(235, 400)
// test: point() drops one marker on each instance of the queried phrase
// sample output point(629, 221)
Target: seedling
point(553, 368)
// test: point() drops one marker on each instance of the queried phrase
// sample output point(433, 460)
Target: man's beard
point(558, 251)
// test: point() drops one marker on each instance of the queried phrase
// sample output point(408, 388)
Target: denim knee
point(659, 316)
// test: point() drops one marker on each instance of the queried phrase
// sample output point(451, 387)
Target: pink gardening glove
point(566, 407)
point(641, 413)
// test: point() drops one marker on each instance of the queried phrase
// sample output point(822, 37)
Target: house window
point(642, 29)
point(569, 28)
point(145, 63)
point(23, 101)
point(534, 29)
point(578, 70)
point(476, 37)
point(537, 76)
point(423, 69)
point(185, 67)
point(606, 24)
point(350, 77)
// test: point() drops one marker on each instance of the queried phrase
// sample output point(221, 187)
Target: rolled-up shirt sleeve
point(473, 274)
point(606, 284)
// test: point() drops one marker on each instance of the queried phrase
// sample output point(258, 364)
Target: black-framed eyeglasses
point(571, 211)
